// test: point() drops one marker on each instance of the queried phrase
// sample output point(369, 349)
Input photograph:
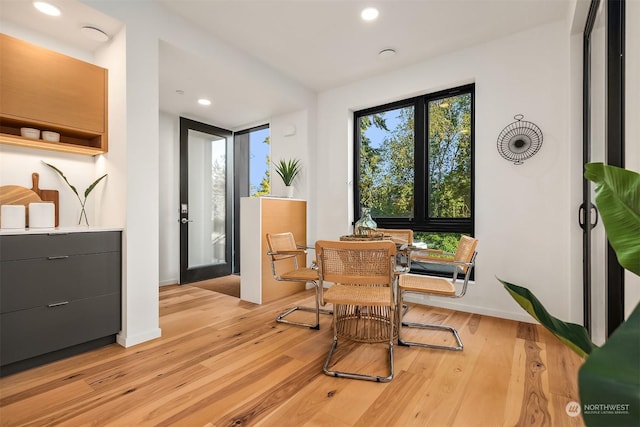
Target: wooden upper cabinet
point(46, 90)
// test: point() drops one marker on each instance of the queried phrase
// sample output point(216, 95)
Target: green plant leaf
point(574, 336)
point(618, 200)
point(288, 170)
point(63, 177)
point(610, 377)
point(92, 186)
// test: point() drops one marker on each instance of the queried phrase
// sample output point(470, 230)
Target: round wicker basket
point(370, 238)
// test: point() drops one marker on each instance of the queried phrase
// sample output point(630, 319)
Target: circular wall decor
point(519, 140)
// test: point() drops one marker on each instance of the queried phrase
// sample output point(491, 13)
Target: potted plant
point(609, 379)
point(87, 191)
point(288, 170)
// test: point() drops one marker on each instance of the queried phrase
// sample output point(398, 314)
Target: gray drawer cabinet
point(59, 295)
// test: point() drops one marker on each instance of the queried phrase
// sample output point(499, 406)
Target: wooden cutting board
point(17, 195)
point(46, 195)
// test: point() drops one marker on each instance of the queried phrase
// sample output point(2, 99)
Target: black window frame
point(420, 222)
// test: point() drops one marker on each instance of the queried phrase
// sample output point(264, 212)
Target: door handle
point(582, 216)
point(185, 220)
point(57, 304)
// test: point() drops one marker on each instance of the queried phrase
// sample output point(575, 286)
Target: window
point(252, 158)
point(259, 160)
point(414, 165)
point(251, 161)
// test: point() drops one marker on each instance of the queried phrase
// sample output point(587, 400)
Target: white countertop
point(57, 230)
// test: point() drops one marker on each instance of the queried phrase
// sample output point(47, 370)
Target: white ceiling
point(324, 43)
point(321, 44)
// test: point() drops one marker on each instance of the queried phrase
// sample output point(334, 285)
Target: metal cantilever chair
point(284, 252)
point(463, 263)
point(362, 294)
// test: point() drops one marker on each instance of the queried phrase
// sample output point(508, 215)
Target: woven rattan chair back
point(356, 263)
point(466, 249)
point(282, 262)
point(397, 235)
point(362, 295)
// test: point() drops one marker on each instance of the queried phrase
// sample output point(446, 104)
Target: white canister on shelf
point(41, 215)
point(12, 216)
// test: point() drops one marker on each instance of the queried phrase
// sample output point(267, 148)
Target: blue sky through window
point(259, 150)
point(377, 135)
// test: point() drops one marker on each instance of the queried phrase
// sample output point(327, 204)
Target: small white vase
point(290, 189)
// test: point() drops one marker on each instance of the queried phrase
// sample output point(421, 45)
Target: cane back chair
point(462, 263)
point(403, 238)
point(362, 294)
point(399, 236)
point(284, 252)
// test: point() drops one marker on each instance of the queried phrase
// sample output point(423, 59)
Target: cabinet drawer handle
point(58, 304)
point(58, 257)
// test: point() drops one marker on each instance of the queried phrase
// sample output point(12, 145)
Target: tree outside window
point(414, 167)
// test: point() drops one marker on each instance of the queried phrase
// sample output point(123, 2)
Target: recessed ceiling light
point(94, 33)
point(369, 14)
point(46, 8)
point(204, 101)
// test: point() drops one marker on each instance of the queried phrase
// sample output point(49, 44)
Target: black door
point(206, 197)
point(603, 137)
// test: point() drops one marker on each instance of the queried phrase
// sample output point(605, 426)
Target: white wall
point(286, 146)
point(523, 213)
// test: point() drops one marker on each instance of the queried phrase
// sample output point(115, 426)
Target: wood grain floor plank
point(223, 362)
point(442, 395)
point(489, 381)
point(535, 401)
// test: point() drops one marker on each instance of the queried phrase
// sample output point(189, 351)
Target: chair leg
point(317, 310)
point(355, 375)
point(283, 315)
point(450, 329)
point(457, 347)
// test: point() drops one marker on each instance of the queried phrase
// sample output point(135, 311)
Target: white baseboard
point(130, 341)
point(168, 282)
point(460, 306)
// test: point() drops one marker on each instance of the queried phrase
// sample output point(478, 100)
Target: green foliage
point(611, 376)
point(447, 242)
point(387, 166)
point(611, 373)
point(288, 170)
point(87, 191)
point(574, 336)
point(450, 157)
point(618, 200)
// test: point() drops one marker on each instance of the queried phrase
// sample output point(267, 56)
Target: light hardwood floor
point(224, 362)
